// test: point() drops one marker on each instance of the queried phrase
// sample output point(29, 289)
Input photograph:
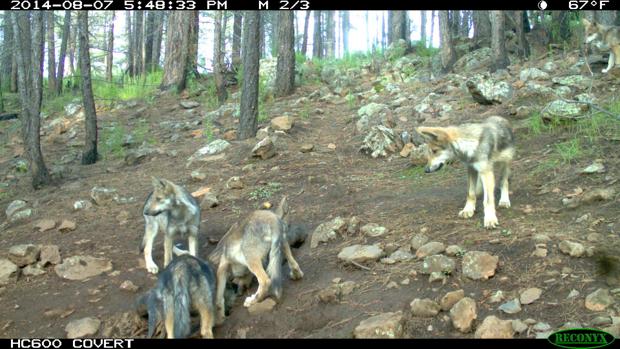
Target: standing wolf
point(609, 35)
point(186, 284)
point(249, 246)
point(480, 146)
point(173, 210)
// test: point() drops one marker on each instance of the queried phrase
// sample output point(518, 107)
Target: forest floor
point(328, 182)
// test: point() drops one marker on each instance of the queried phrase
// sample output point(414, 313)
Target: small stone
point(386, 325)
point(519, 326)
point(511, 307)
point(33, 270)
point(540, 252)
point(391, 285)
point(209, 200)
point(602, 321)
point(328, 231)
point(463, 314)
point(9, 272)
point(264, 149)
point(573, 249)
point(373, 230)
point(102, 196)
point(86, 327)
point(198, 176)
point(479, 265)
point(262, 307)
point(18, 210)
point(541, 327)
point(282, 123)
point(450, 299)
point(128, 285)
point(493, 327)
point(25, 254)
point(306, 148)
point(50, 254)
point(189, 104)
point(530, 295)
point(82, 205)
point(82, 267)
point(45, 225)
point(424, 307)
point(331, 146)
point(360, 253)
point(401, 255)
point(429, 249)
point(66, 226)
point(497, 297)
point(418, 241)
point(438, 264)
point(454, 250)
point(347, 287)
point(235, 183)
point(599, 300)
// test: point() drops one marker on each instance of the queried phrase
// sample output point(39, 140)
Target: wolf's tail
point(179, 300)
point(282, 209)
point(274, 268)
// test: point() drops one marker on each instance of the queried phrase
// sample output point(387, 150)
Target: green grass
point(113, 138)
point(569, 151)
point(304, 113)
point(208, 133)
point(265, 192)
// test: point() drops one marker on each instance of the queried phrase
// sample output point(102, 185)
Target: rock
point(380, 142)
point(533, 74)
point(329, 294)
point(282, 123)
point(262, 133)
point(207, 152)
point(401, 255)
point(373, 114)
point(541, 327)
point(189, 104)
point(573, 294)
point(519, 326)
point(209, 200)
point(373, 230)
point(573, 249)
point(596, 167)
point(66, 226)
point(493, 327)
point(262, 307)
point(497, 297)
point(230, 135)
point(33, 270)
point(486, 90)
point(530, 295)
point(86, 327)
point(82, 267)
point(18, 210)
point(361, 253)
point(463, 314)
point(511, 307)
point(264, 149)
point(562, 109)
point(347, 287)
point(577, 81)
point(450, 299)
point(25, 254)
point(430, 248)
point(474, 60)
point(103, 196)
point(50, 254)
point(407, 149)
point(454, 250)
point(438, 264)
point(478, 265)
point(353, 225)
point(386, 325)
point(234, 183)
point(424, 307)
point(136, 156)
point(550, 67)
point(72, 108)
point(9, 272)
point(418, 240)
point(328, 231)
point(306, 148)
point(198, 176)
point(82, 205)
point(128, 285)
point(599, 300)
point(45, 225)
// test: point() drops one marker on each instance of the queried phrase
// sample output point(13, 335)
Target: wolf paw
point(604, 71)
point(490, 221)
point(504, 203)
point(296, 274)
point(152, 268)
point(466, 213)
point(250, 300)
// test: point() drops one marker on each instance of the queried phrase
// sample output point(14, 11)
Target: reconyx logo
point(581, 338)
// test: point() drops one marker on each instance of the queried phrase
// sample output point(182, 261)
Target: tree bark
point(29, 37)
point(149, 33)
point(138, 34)
point(109, 57)
point(317, 41)
point(66, 32)
point(605, 17)
point(8, 47)
point(448, 54)
point(89, 154)
point(236, 42)
point(464, 27)
point(304, 44)
point(523, 45)
point(218, 64)
point(285, 70)
point(330, 35)
point(423, 28)
point(157, 39)
point(192, 64)
point(177, 49)
point(432, 28)
point(72, 51)
point(130, 43)
point(346, 27)
point(482, 28)
point(251, 60)
point(51, 53)
point(498, 41)
point(397, 23)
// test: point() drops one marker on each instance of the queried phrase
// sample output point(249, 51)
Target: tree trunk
point(66, 31)
point(385, 30)
point(149, 33)
point(498, 41)
point(482, 28)
point(109, 57)
point(330, 35)
point(560, 30)
point(89, 155)
point(157, 39)
point(526, 22)
point(262, 39)
point(317, 41)
point(272, 16)
point(72, 49)
point(236, 42)
point(51, 53)
point(251, 60)
point(130, 43)
point(397, 26)
point(304, 44)
point(177, 48)
point(523, 45)
point(8, 47)
point(346, 27)
point(605, 17)
point(464, 27)
point(29, 37)
point(285, 70)
point(218, 64)
point(423, 28)
point(432, 28)
point(368, 41)
point(192, 64)
point(448, 54)
point(455, 22)
point(138, 33)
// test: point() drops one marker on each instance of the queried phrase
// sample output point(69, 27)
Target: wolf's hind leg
point(264, 282)
point(504, 199)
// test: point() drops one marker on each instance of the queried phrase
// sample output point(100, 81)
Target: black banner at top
point(300, 5)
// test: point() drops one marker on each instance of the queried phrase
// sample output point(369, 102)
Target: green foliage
point(112, 140)
point(208, 133)
point(569, 150)
point(265, 192)
point(351, 101)
point(133, 88)
point(304, 113)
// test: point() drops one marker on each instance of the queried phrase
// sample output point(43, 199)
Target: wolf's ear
point(282, 209)
point(433, 134)
point(157, 183)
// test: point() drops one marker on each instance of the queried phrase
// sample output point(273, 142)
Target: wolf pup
point(247, 247)
point(173, 210)
point(609, 35)
point(480, 146)
point(186, 284)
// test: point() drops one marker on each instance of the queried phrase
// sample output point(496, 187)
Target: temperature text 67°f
point(587, 4)
point(284, 5)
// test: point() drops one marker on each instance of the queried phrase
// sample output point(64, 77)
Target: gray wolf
point(481, 146)
point(186, 284)
point(259, 241)
point(609, 35)
point(173, 210)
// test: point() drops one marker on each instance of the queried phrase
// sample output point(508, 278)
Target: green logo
point(581, 338)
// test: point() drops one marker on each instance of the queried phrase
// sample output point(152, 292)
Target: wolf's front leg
point(488, 186)
point(222, 278)
point(470, 204)
point(610, 63)
point(150, 232)
point(193, 241)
